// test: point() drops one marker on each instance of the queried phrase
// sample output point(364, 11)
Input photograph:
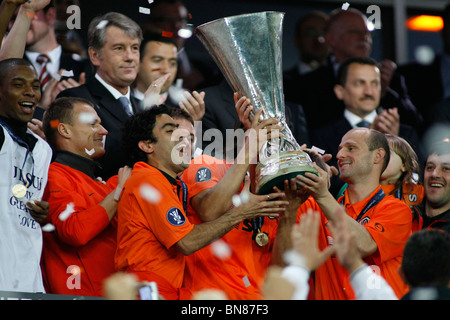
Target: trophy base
point(273, 171)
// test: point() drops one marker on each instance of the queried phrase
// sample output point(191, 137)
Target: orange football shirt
point(148, 228)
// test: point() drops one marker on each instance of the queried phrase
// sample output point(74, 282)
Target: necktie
point(363, 124)
point(125, 104)
point(44, 76)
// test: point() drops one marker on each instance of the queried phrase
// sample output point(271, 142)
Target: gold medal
point(262, 239)
point(19, 191)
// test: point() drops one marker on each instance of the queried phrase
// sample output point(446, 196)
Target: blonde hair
point(409, 159)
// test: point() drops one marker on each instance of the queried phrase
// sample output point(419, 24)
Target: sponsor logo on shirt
point(175, 217)
point(203, 174)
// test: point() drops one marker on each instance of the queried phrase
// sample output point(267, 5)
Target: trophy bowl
point(247, 50)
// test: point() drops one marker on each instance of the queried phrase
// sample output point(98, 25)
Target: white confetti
point(48, 227)
point(150, 1)
point(245, 196)
point(67, 212)
point(102, 24)
point(77, 57)
point(90, 152)
point(424, 54)
point(177, 94)
point(86, 117)
point(318, 150)
point(345, 6)
point(149, 193)
point(221, 249)
point(236, 200)
point(246, 281)
point(151, 100)
point(144, 10)
point(67, 73)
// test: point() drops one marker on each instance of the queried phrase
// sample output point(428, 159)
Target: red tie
point(44, 76)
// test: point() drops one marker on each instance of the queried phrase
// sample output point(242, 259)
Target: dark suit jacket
point(329, 137)
point(113, 118)
point(221, 114)
point(315, 92)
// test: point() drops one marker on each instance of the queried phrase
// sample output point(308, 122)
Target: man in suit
point(114, 42)
point(310, 42)
point(158, 58)
point(169, 17)
point(359, 88)
point(42, 44)
point(347, 36)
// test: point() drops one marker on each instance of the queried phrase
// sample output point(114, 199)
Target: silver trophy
point(247, 49)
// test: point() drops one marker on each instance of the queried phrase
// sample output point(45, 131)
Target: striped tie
point(44, 76)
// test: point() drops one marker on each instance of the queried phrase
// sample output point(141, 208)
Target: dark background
point(203, 11)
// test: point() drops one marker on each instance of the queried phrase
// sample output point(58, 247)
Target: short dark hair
point(378, 140)
point(7, 64)
point(152, 36)
point(343, 68)
point(426, 259)
point(178, 113)
point(61, 110)
point(139, 127)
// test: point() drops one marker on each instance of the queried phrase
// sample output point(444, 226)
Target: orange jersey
point(148, 229)
point(85, 241)
point(241, 273)
point(389, 224)
point(412, 195)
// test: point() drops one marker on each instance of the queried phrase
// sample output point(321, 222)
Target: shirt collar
point(85, 165)
point(354, 119)
point(354, 209)
point(54, 56)
point(116, 93)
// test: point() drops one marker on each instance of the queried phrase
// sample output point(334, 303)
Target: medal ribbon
point(185, 194)
point(372, 202)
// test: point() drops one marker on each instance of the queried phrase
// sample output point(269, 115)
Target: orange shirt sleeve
point(204, 172)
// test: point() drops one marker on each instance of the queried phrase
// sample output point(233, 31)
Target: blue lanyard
point(185, 194)
point(372, 202)
point(257, 223)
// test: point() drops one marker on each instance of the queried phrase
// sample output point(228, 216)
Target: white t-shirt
point(20, 234)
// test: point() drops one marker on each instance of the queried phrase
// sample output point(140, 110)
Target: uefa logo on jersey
point(203, 174)
point(175, 217)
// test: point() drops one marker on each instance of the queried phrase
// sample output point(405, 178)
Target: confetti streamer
point(102, 24)
point(67, 212)
point(345, 6)
point(246, 281)
point(67, 73)
point(48, 227)
point(149, 193)
point(86, 118)
point(90, 152)
point(144, 10)
point(318, 150)
point(221, 249)
point(236, 200)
